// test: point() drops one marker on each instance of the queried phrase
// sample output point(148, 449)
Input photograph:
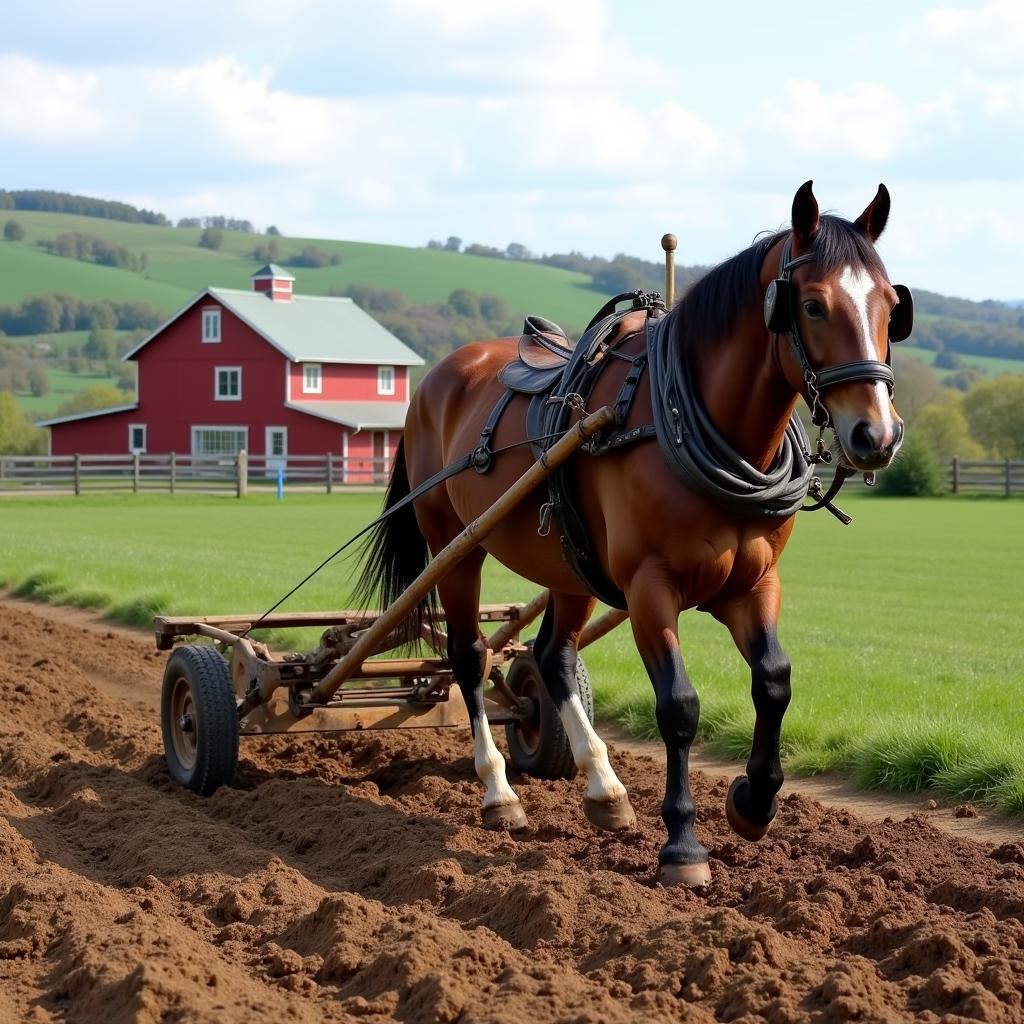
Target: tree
point(947, 360)
point(916, 386)
point(17, 435)
point(273, 230)
point(38, 380)
point(14, 231)
point(465, 303)
point(494, 308)
point(100, 396)
point(517, 251)
point(995, 411)
point(454, 243)
point(943, 426)
point(42, 314)
point(915, 472)
point(102, 344)
point(211, 238)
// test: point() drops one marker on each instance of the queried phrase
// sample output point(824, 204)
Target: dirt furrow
point(347, 877)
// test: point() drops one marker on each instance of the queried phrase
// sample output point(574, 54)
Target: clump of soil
point(347, 877)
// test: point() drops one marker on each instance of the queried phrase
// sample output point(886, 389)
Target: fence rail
point(173, 473)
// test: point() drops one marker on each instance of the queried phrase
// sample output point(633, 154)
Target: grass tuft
point(140, 609)
point(908, 756)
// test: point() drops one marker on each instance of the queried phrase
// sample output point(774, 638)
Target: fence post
point(956, 474)
point(1006, 467)
point(135, 472)
point(330, 482)
point(78, 474)
point(174, 470)
point(242, 472)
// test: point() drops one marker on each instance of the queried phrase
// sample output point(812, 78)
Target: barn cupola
point(274, 282)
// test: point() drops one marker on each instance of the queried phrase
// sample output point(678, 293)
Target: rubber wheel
point(540, 747)
point(199, 718)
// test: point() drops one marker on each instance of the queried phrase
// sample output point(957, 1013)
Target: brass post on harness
point(669, 243)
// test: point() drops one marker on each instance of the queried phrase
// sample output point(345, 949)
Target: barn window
point(385, 380)
point(312, 380)
point(211, 325)
point(228, 383)
point(219, 440)
point(137, 438)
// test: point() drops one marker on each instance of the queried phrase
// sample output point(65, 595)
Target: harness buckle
point(546, 511)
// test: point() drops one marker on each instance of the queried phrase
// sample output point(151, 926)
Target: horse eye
point(813, 309)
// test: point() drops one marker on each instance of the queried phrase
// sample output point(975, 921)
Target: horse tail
point(395, 554)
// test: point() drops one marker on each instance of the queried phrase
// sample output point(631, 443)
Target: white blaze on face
point(858, 285)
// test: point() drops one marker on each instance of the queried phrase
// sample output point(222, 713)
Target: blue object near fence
point(280, 483)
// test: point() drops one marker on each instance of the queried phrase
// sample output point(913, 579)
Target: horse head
point(834, 300)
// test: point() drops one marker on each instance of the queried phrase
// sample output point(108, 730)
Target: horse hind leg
point(459, 592)
point(606, 803)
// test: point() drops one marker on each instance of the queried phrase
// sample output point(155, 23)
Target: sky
point(589, 125)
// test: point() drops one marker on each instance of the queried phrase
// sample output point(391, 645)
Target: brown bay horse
point(665, 546)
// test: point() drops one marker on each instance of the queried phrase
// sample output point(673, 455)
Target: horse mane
point(712, 307)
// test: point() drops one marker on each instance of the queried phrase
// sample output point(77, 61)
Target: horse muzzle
point(871, 444)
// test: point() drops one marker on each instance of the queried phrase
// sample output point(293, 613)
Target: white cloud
point(866, 120)
point(47, 104)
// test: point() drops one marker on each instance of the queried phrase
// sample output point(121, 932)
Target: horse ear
point(872, 220)
point(805, 214)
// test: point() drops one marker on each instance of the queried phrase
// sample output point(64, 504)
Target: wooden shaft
point(515, 626)
point(470, 537)
point(669, 243)
point(601, 627)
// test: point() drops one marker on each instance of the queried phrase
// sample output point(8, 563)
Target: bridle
point(780, 318)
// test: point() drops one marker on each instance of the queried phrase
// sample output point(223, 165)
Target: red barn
point(264, 371)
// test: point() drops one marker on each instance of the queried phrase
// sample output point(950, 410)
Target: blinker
point(901, 322)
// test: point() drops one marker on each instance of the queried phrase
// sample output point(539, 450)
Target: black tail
point(395, 555)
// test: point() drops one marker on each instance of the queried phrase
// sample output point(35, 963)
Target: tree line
point(435, 329)
point(84, 206)
point(80, 245)
point(47, 314)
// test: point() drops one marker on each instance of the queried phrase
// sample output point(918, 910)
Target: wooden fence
point(240, 474)
point(173, 473)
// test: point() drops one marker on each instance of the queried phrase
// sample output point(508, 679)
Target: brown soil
point(348, 879)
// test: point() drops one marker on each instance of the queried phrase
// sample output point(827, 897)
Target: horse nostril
point(861, 439)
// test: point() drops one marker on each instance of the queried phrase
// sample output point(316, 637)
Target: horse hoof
point(506, 818)
point(749, 830)
point(610, 815)
point(693, 876)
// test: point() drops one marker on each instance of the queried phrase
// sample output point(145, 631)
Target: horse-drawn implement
point(346, 684)
point(698, 519)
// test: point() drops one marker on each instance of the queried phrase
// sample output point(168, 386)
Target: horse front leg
point(654, 605)
point(751, 805)
point(606, 803)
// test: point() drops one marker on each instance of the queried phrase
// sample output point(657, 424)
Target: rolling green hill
point(178, 267)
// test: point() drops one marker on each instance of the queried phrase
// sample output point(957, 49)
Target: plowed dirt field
point(348, 879)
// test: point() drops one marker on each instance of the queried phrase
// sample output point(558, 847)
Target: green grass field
point(991, 366)
point(63, 385)
point(178, 268)
point(904, 629)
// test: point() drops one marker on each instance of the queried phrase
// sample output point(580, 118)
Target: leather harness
point(559, 378)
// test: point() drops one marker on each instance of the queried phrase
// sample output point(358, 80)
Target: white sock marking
point(590, 753)
point(490, 767)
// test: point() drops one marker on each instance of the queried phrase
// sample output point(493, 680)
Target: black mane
point(711, 309)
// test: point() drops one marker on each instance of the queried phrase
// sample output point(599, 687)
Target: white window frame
point(237, 428)
point(217, 371)
point(386, 380)
point(211, 325)
point(134, 449)
point(268, 431)
point(308, 387)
